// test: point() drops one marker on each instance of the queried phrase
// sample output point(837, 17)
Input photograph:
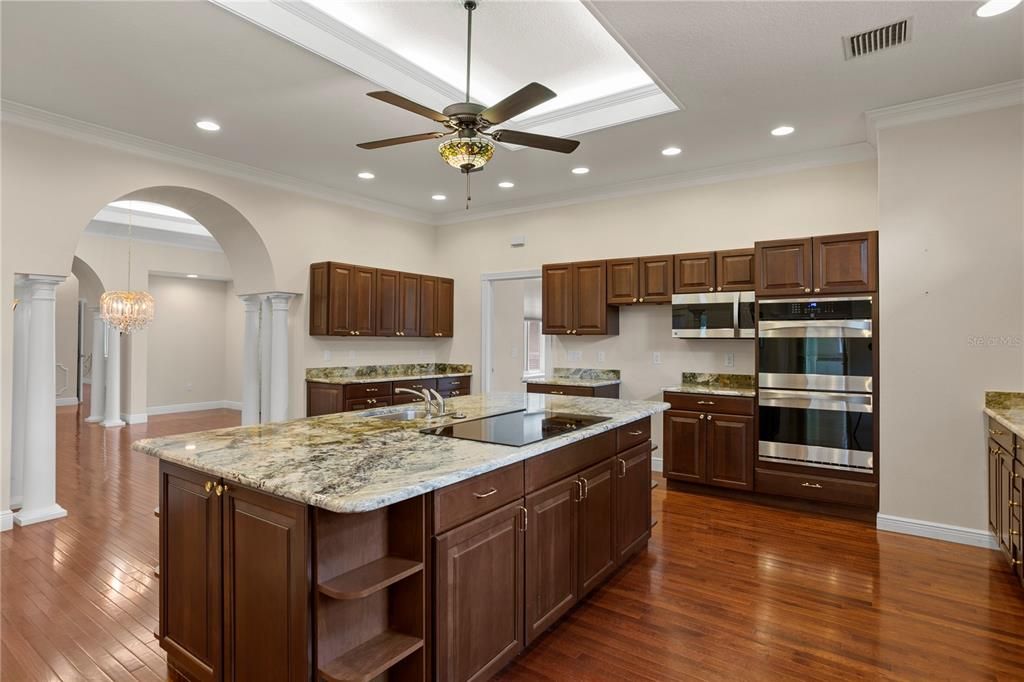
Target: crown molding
point(989, 97)
point(852, 153)
point(39, 119)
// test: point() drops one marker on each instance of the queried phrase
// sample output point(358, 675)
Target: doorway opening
point(514, 347)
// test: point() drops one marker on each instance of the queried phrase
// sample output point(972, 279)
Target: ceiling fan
point(470, 150)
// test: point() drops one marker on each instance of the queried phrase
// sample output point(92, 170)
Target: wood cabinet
point(552, 571)
point(694, 272)
point(1005, 494)
point(352, 300)
point(623, 281)
point(831, 264)
point(479, 595)
point(713, 448)
point(326, 398)
point(219, 619)
point(735, 270)
point(575, 300)
point(609, 391)
point(640, 280)
point(632, 500)
point(597, 551)
point(656, 279)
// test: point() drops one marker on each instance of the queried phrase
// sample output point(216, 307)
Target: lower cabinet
point(552, 572)
point(598, 556)
point(479, 594)
point(1005, 496)
point(712, 448)
point(220, 619)
point(633, 501)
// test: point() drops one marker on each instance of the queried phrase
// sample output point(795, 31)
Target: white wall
point(507, 335)
point(66, 330)
point(952, 306)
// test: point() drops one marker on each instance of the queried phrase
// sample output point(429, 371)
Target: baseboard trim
point(657, 464)
point(63, 402)
point(974, 537)
point(196, 407)
point(6, 520)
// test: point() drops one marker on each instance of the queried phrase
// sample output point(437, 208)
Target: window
point(533, 349)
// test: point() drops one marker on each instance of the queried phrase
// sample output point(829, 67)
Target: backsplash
point(586, 373)
point(385, 371)
point(723, 380)
point(1004, 400)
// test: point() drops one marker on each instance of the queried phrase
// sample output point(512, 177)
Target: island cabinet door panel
point(190, 571)
point(734, 270)
point(623, 281)
point(428, 306)
point(387, 302)
point(694, 272)
point(409, 304)
point(846, 263)
point(598, 556)
point(445, 307)
point(632, 500)
point(479, 595)
point(656, 280)
point(552, 584)
point(730, 451)
point(266, 588)
point(684, 446)
point(1005, 489)
point(591, 305)
point(993, 488)
point(557, 295)
point(783, 267)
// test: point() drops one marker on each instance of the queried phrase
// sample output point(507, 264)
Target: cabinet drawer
point(366, 403)
point(552, 389)
point(817, 488)
point(454, 384)
point(633, 434)
point(566, 461)
point(414, 384)
point(466, 500)
point(697, 402)
point(1001, 435)
point(377, 390)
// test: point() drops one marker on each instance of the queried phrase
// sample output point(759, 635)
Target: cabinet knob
point(807, 291)
point(220, 489)
point(1015, 562)
point(351, 333)
point(817, 290)
point(709, 417)
point(208, 486)
point(711, 288)
point(357, 332)
point(719, 288)
point(634, 299)
point(702, 416)
point(641, 299)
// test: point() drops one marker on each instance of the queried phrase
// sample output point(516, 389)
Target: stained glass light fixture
point(127, 311)
point(466, 153)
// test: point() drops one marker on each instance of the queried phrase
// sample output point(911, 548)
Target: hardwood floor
point(727, 590)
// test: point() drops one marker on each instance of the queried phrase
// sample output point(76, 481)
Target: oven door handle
point(816, 400)
point(821, 329)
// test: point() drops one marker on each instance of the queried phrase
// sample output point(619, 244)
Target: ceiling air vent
point(877, 39)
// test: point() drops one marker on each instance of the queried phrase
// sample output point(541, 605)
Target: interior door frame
point(487, 281)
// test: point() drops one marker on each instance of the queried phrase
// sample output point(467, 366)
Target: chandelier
point(466, 153)
point(127, 311)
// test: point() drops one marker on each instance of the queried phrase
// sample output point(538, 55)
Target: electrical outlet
point(730, 359)
point(575, 355)
point(656, 357)
point(327, 356)
point(600, 356)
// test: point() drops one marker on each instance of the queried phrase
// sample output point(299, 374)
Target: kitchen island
point(359, 546)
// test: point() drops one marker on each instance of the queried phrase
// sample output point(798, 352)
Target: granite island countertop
point(353, 462)
point(1007, 409)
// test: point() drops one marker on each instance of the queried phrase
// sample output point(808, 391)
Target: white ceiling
point(151, 69)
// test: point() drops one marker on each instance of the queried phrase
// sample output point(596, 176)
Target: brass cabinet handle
point(526, 518)
point(622, 468)
point(817, 290)
point(806, 290)
point(372, 390)
point(711, 288)
point(1015, 562)
point(1014, 532)
point(810, 485)
point(709, 417)
point(481, 496)
point(705, 402)
point(636, 433)
point(586, 488)
point(357, 332)
point(641, 299)
point(579, 490)
point(719, 288)
point(220, 489)
point(1014, 504)
point(557, 393)
point(702, 416)
point(208, 486)
point(996, 432)
point(456, 393)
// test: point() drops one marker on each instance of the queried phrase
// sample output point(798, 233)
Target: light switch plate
point(730, 359)
point(600, 356)
point(656, 357)
point(327, 356)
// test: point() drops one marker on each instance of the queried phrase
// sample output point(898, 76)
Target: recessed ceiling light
point(782, 131)
point(506, 184)
point(192, 276)
point(208, 125)
point(438, 197)
point(366, 175)
point(671, 151)
point(996, 7)
point(580, 170)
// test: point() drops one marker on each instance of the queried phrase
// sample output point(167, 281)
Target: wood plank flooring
point(726, 591)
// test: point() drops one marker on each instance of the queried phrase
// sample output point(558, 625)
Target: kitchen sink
point(403, 416)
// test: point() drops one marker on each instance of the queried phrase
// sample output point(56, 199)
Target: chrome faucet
point(425, 395)
point(440, 401)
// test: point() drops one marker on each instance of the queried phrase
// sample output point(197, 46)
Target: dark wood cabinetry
point(632, 500)
point(1005, 471)
point(610, 391)
point(832, 264)
point(656, 279)
point(694, 272)
point(219, 618)
point(352, 300)
point(598, 556)
point(552, 574)
point(735, 270)
point(623, 281)
point(575, 300)
point(710, 440)
point(639, 280)
point(325, 398)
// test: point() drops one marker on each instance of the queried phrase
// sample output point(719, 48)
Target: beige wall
point(704, 218)
point(507, 335)
point(66, 329)
point(952, 297)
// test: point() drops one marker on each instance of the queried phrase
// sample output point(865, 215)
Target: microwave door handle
point(736, 315)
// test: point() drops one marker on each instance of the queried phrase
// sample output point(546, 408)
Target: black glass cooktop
point(516, 428)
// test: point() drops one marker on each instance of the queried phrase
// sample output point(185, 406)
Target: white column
point(279, 355)
point(251, 361)
point(97, 389)
point(264, 354)
point(112, 392)
point(19, 390)
point(39, 490)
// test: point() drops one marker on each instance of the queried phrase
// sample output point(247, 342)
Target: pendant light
point(127, 311)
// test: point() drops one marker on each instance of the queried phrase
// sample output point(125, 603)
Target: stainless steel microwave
point(720, 315)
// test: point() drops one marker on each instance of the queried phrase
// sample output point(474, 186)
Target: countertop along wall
point(727, 215)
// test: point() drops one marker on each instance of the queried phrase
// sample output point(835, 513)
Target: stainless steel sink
point(403, 416)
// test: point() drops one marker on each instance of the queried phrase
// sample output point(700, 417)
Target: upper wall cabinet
point(639, 280)
point(833, 264)
point(734, 270)
point(352, 300)
point(575, 299)
point(694, 272)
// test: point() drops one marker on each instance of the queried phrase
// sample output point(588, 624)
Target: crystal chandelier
point(127, 311)
point(466, 153)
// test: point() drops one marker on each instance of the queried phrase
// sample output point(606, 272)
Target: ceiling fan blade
point(521, 100)
point(553, 144)
point(408, 105)
point(391, 141)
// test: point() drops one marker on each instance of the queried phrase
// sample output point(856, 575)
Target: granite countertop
point(374, 380)
point(579, 376)
point(715, 384)
point(351, 462)
point(710, 389)
point(371, 374)
point(1007, 409)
